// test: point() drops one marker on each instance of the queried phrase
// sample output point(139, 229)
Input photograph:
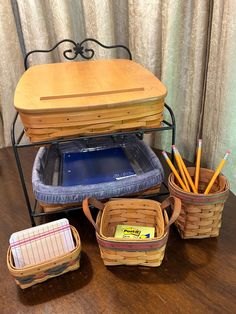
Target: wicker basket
point(128, 97)
point(31, 275)
point(139, 212)
point(56, 207)
point(200, 215)
point(41, 127)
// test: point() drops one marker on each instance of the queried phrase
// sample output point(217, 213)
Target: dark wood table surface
point(196, 276)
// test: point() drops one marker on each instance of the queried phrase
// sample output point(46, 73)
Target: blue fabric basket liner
point(47, 168)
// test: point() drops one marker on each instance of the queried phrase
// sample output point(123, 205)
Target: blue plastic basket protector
point(141, 167)
point(97, 166)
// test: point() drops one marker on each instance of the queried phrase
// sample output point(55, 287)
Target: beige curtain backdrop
point(169, 37)
point(11, 68)
point(219, 123)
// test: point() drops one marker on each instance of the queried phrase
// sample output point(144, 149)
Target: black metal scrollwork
point(78, 49)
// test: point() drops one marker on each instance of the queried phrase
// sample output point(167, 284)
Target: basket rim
point(100, 216)
point(172, 183)
point(31, 268)
point(50, 207)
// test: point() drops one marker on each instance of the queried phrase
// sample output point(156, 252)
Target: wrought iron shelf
point(71, 54)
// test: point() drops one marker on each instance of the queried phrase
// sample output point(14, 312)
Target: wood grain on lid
point(86, 84)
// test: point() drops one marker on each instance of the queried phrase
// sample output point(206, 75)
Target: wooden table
point(196, 276)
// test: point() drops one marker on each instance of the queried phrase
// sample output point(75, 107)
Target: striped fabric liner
point(42, 243)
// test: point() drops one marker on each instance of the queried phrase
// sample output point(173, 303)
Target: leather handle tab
point(94, 202)
point(176, 208)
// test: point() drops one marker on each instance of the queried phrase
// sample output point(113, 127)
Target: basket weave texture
point(137, 212)
point(31, 275)
point(41, 127)
point(200, 215)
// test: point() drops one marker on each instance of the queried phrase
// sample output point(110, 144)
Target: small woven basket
point(137, 212)
point(31, 275)
point(201, 214)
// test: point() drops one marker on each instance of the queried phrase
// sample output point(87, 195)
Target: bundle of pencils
point(183, 176)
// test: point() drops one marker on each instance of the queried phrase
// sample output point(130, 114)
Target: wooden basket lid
point(71, 86)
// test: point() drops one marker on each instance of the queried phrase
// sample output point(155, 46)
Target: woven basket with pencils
point(31, 275)
point(137, 212)
point(201, 214)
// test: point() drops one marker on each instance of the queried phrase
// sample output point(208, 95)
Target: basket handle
point(94, 202)
point(175, 209)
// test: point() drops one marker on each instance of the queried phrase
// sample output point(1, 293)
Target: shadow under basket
point(34, 274)
point(200, 215)
point(135, 212)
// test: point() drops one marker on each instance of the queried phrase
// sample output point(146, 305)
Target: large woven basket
point(31, 275)
point(139, 212)
point(201, 214)
point(87, 98)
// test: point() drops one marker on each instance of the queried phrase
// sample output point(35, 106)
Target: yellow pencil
point(177, 158)
point(187, 174)
point(217, 172)
point(198, 161)
point(172, 167)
